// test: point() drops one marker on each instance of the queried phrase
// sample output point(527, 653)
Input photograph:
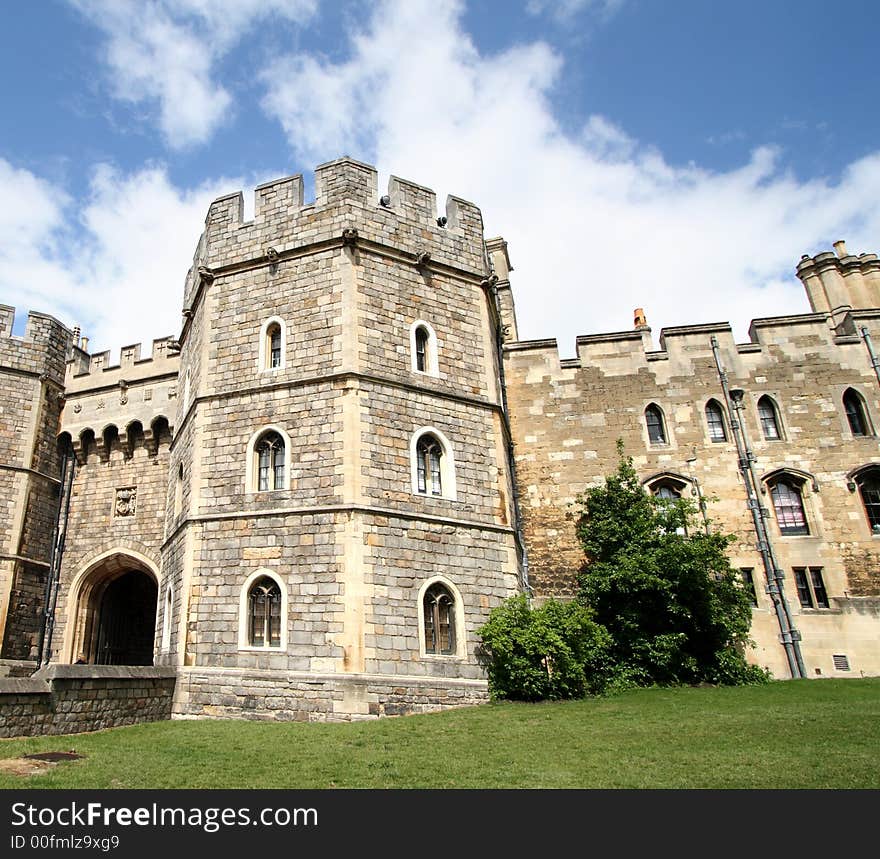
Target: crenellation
point(348, 181)
point(415, 201)
point(278, 199)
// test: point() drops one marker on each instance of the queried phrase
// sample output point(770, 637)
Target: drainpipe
point(788, 635)
point(59, 533)
point(875, 362)
point(490, 284)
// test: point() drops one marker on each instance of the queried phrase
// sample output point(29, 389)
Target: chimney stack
point(840, 247)
point(639, 318)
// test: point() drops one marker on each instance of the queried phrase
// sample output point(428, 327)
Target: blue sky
point(670, 154)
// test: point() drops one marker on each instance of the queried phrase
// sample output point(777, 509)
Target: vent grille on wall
point(841, 662)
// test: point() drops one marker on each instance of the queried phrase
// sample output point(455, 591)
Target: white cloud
point(166, 52)
point(116, 267)
point(597, 223)
point(563, 10)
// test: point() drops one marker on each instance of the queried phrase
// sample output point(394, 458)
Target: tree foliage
point(661, 586)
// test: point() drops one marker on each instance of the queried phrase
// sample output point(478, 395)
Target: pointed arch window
point(788, 503)
point(768, 415)
point(439, 617)
point(655, 424)
point(429, 457)
point(715, 421)
point(856, 413)
point(270, 462)
point(264, 613)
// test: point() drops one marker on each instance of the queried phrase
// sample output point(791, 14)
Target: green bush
point(552, 652)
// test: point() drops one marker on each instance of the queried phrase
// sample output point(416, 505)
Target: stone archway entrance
point(116, 614)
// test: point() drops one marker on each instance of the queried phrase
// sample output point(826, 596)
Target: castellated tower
point(31, 399)
point(339, 517)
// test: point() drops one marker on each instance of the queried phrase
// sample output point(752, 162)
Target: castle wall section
point(567, 417)
point(31, 399)
point(119, 419)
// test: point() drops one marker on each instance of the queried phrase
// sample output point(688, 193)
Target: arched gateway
point(114, 611)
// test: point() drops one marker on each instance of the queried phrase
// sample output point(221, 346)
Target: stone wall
point(31, 399)
point(70, 699)
point(568, 415)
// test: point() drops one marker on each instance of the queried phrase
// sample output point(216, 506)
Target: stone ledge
point(104, 672)
point(23, 686)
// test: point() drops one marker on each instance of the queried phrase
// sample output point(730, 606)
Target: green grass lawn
point(792, 734)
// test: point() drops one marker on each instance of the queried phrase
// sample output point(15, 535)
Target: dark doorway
point(127, 621)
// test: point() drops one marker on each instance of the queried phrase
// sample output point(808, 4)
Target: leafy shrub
point(552, 652)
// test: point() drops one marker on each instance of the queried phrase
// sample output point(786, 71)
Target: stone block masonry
point(72, 699)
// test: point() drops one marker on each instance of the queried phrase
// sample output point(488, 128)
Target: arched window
point(423, 348)
point(768, 415)
point(433, 469)
point(869, 490)
point(438, 606)
point(715, 421)
point(429, 454)
point(270, 462)
point(789, 506)
point(654, 423)
point(264, 613)
point(856, 413)
point(272, 340)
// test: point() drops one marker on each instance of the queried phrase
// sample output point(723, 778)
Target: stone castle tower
point(305, 505)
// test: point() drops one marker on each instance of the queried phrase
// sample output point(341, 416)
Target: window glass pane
point(263, 482)
point(767, 416)
point(819, 587)
point(275, 346)
point(749, 582)
point(715, 421)
point(870, 492)
point(436, 482)
point(789, 509)
point(421, 349)
point(654, 421)
point(665, 491)
point(258, 617)
point(430, 642)
point(803, 588)
point(855, 413)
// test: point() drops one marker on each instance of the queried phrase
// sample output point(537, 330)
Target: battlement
point(41, 350)
point(40, 327)
point(630, 352)
point(86, 370)
point(346, 198)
